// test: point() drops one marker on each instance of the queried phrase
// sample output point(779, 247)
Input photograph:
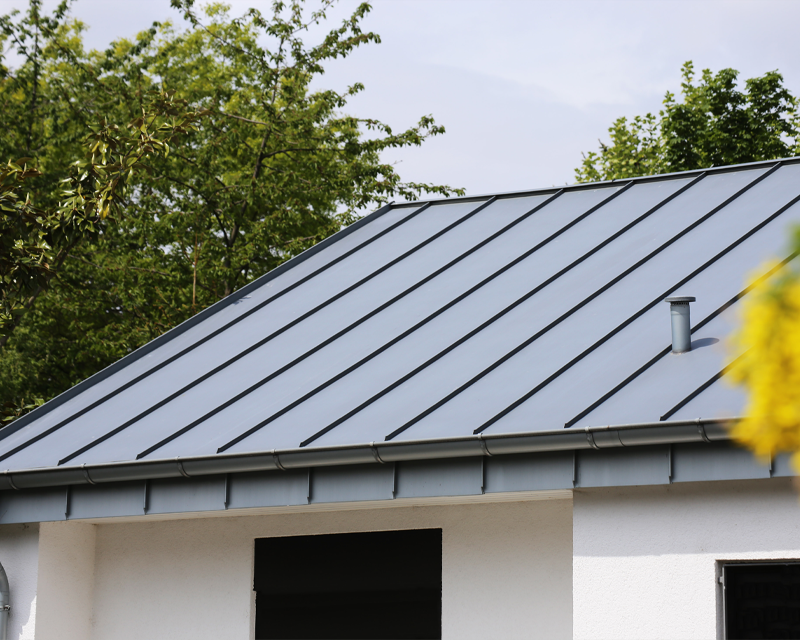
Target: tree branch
point(101, 268)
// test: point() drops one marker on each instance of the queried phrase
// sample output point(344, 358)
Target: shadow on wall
point(19, 554)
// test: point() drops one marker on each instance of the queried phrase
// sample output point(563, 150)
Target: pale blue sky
point(523, 87)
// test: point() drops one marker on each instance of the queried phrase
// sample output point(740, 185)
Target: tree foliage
point(273, 166)
point(716, 123)
point(35, 241)
point(713, 124)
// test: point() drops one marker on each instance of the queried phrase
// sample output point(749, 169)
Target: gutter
point(612, 436)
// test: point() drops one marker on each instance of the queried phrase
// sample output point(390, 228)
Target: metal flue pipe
point(681, 325)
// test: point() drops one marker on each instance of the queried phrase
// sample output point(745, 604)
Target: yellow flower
point(769, 367)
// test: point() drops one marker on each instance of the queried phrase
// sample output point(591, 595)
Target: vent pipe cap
point(681, 325)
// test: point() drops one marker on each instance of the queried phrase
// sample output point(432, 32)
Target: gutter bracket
point(374, 450)
point(11, 480)
point(485, 448)
point(590, 438)
point(702, 430)
point(181, 469)
point(86, 474)
point(277, 460)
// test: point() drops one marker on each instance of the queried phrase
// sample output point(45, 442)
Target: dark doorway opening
point(762, 600)
point(381, 585)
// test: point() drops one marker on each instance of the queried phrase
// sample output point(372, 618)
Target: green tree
point(714, 124)
point(273, 167)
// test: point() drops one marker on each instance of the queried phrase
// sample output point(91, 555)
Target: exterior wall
point(507, 569)
point(645, 558)
point(19, 554)
point(66, 581)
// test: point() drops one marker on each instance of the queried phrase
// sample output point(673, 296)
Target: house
point(465, 418)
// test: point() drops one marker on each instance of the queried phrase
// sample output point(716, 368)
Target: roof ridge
point(579, 186)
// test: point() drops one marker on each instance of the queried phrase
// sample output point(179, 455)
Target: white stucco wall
point(65, 597)
point(507, 570)
point(19, 555)
point(645, 563)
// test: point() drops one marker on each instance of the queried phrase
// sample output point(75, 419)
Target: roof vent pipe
point(5, 603)
point(681, 327)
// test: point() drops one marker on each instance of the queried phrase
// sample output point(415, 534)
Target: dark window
point(762, 600)
point(351, 585)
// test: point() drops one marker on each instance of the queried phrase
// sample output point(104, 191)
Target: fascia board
point(612, 436)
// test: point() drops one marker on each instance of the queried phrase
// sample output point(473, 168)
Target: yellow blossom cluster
point(769, 366)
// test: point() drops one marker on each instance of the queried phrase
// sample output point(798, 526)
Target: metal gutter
point(612, 436)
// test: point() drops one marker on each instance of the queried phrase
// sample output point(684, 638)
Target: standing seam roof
point(511, 313)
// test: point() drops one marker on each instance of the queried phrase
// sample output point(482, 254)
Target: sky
point(523, 87)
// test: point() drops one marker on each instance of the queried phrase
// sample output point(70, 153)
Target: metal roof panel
point(502, 314)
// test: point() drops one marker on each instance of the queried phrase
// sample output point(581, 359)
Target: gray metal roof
point(499, 315)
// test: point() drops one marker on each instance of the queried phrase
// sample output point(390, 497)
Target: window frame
point(721, 579)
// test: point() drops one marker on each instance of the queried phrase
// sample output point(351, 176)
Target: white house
point(455, 419)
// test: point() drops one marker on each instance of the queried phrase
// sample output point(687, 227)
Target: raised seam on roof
point(361, 320)
point(202, 315)
point(273, 335)
point(700, 389)
point(424, 321)
point(189, 323)
point(570, 312)
point(668, 348)
point(421, 323)
point(195, 319)
point(519, 301)
point(632, 318)
point(91, 422)
point(230, 299)
point(586, 300)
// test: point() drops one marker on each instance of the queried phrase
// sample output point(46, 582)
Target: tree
point(717, 124)
point(714, 124)
point(272, 167)
point(35, 242)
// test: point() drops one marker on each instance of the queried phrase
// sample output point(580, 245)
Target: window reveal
point(762, 600)
point(353, 585)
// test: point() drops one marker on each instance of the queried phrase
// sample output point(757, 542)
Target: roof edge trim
point(611, 436)
point(578, 186)
point(146, 348)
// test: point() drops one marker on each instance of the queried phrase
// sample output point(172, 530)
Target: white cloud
point(522, 86)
